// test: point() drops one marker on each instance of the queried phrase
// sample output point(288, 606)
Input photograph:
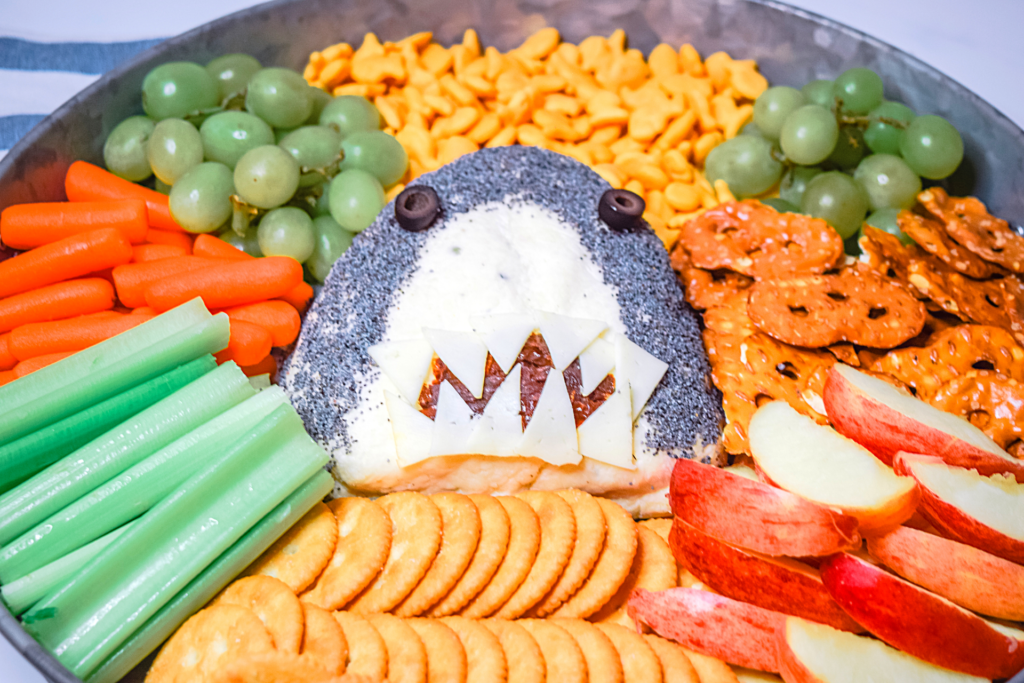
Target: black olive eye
point(621, 209)
point(417, 207)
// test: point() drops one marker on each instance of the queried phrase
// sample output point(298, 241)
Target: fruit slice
point(778, 584)
point(984, 512)
point(817, 463)
point(969, 577)
point(814, 653)
point(753, 515)
point(886, 420)
point(711, 624)
point(918, 622)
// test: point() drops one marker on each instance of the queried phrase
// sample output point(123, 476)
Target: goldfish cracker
point(333, 74)
point(452, 148)
point(506, 136)
point(394, 192)
point(657, 204)
point(612, 174)
point(339, 51)
point(528, 134)
point(485, 129)
point(676, 131)
point(682, 197)
point(478, 85)
point(471, 41)
point(651, 177)
point(664, 61)
point(389, 112)
point(457, 91)
point(436, 59)
point(604, 136)
point(377, 69)
point(419, 143)
point(540, 44)
point(416, 41)
point(617, 40)
point(723, 192)
point(704, 145)
point(636, 187)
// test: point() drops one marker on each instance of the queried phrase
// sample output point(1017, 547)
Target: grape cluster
point(271, 164)
point(838, 151)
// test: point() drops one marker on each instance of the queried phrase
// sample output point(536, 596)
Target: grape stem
point(242, 215)
point(863, 121)
point(329, 171)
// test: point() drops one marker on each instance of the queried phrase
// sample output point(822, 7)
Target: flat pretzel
point(991, 402)
point(968, 222)
point(931, 236)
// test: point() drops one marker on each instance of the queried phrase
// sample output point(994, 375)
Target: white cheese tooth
point(463, 353)
point(551, 433)
point(406, 364)
point(596, 361)
point(499, 430)
point(453, 423)
point(566, 337)
point(504, 335)
point(411, 430)
point(607, 435)
point(640, 369)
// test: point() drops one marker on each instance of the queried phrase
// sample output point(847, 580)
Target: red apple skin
point(920, 623)
point(954, 523)
point(713, 625)
point(961, 573)
point(743, 576)
point(885, 431)
point(753, 515)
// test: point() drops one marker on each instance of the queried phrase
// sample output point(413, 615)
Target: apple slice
point(778, 584)
point(969, 577)
point(711, 624)
point(918, 622)
point(817, 463)
point(886, 420)
point(753, 515)
point(984, 512)
point(815, 653)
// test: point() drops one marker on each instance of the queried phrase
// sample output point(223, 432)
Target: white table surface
point(976, 43)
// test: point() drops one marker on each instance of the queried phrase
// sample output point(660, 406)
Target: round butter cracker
point(367, 653)
point(639, 662)
point(323, 641)
point(603, 662)
point(562, 656)
point(523, 655)
point(299, 556)
point(407, 658)
point(654, 569)
point(675, 665)
point(275, 605)
point(523, 543)
point(446, 657)
point(485, 658)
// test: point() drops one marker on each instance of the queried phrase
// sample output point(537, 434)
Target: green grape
point(314, 147)
point(887, 220)
point(751, 129)
point(287, 231)
point(201, 199)
point(932, 147)
point(266, 176)
point(176, 89)
point(279, 96)
point(356, 197)
point(819, 92)
point(161, 187)
point(232, 72)
point(320, 99)
point(794, 183)
point(884, 137)
point(282, 133)
point(173, 148)
point(773, 106)
point(745, 163)
point(331, 242)
point(851, 244)
point(249, 243)
point(376, 152)
point(809, 135)
point(124, 152)
point(859, 89)
point(781, 205)
point(323, 202)
point(349, 114)
point(850, 148)
point(888, 182)
point(230, 134)
point(837, 198)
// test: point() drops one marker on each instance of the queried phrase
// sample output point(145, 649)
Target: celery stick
point(108, 455)
point(202, 588)
point(87, 619)
point(109, 376)
point(135, 490)
point(21, 594)
point(21, 459)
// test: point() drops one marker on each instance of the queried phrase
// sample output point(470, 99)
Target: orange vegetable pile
point(111, 258)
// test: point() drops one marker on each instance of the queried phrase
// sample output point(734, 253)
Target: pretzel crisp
point(953, 353)
point(855, 305)
point(931, 236)
point(706, 289)
point(969, 223)
point(992, 402)
point(887, 256)
point(757, 241)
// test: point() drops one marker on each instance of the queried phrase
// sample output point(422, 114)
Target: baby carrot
point(25, 226)
point(178, 239)
point(8, 376)
point(267, 366)
point(299, 296)
point(55, 302)
point(38, 363)
point(87, 183)
point(228, 284)
point(58, 336)
point(64, 259)
point(7, 359)
point(213, 247)
point(145, 310)
point(141, 253)
point(279, 318)
point(249, 344)
point(132, 279)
